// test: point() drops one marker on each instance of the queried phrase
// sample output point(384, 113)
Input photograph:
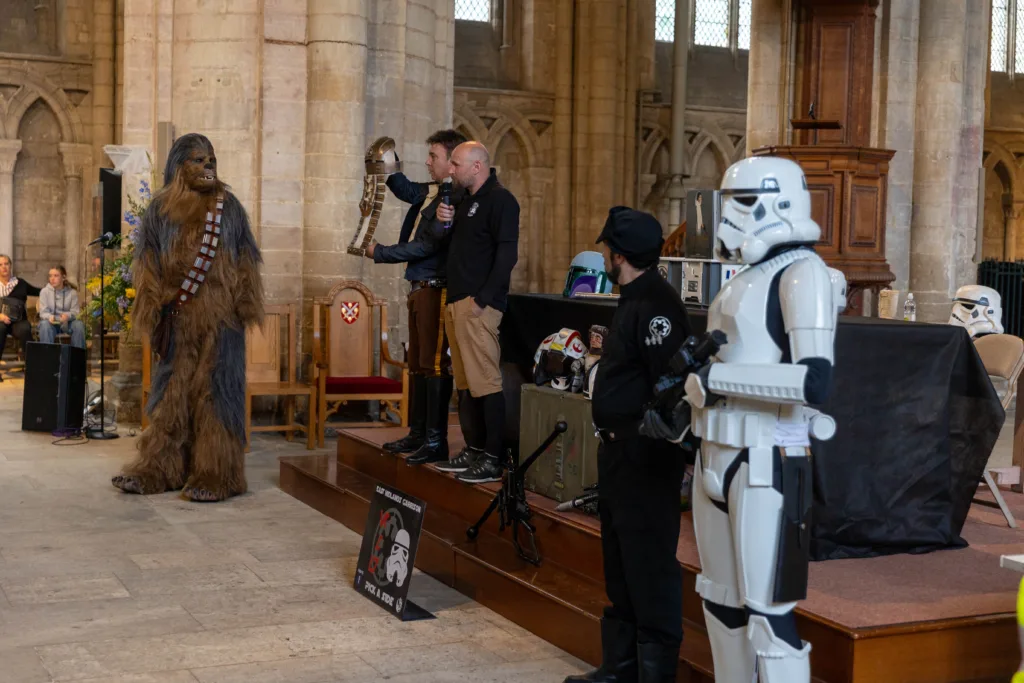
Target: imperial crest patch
point(350, 311)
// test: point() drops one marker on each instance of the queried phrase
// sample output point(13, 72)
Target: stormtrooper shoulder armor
point(809, 309)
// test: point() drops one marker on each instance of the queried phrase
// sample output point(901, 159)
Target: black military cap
point(632, 233)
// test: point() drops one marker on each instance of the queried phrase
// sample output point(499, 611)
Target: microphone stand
point(92, 432)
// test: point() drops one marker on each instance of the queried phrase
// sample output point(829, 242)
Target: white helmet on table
point(765, 203)
point(979, 309)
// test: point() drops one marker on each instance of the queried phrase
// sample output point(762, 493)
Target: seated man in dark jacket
point(420, 244)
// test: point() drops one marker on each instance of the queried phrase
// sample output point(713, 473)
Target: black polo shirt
point(484, 245)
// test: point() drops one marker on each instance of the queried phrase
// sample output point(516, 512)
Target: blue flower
point(96, 313)
point(144, 190)
point(116, 327)
point(133, 236)
point(123, 303)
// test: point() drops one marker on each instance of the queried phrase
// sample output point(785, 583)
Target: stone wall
point(47, 143)
point(1004, 178)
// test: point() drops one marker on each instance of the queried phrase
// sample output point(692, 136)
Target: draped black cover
point(916, 416)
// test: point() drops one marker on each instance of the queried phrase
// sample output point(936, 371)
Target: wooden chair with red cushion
point(349, 325)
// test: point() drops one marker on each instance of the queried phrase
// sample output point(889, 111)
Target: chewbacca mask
point(195, 232)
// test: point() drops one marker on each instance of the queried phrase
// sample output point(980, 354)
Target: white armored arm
point(807, 297)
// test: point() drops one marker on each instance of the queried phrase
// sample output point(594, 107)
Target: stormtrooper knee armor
point(752, 481)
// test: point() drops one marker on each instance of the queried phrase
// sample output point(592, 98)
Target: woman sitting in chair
point(58, 310)
point(13, 295)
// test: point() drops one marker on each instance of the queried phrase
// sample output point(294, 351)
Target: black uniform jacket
point(426, 253)
point(649, 326)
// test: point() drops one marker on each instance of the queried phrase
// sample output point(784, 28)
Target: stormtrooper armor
point(978, 309)
point(560, 360)
point(398, 561)
point(751, 493)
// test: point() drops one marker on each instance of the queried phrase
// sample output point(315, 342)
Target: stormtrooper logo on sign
point(659, 328)
point(398, 563)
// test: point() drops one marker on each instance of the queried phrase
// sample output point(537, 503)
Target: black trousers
point(639, 481)
point(22, 330)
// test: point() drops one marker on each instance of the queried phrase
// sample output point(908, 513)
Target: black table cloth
point(916, 417)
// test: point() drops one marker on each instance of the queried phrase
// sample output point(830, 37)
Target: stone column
point(947, 153)
point(8, 156)
point(767, 95)
point(76, 158)
point(897, 97)
point(675, 192)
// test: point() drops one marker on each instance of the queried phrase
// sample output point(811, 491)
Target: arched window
point(715, 23)
point(473, 10)
point(1007, 53)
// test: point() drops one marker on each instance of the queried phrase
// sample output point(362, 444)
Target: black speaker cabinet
point(54, 388)
point(111, 204)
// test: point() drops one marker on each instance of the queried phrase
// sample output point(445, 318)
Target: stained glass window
point(711, 23)
point(665, 21)
point(473, 10)
point(743, 39)
point(1000, 12)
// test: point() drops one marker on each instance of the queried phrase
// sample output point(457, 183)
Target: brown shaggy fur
point(186, 447)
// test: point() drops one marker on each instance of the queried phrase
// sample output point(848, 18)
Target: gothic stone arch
point(31, 87)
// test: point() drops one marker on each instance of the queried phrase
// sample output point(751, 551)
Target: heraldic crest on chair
point(351, 355)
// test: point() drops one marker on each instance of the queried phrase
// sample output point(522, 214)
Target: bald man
point(484, 247)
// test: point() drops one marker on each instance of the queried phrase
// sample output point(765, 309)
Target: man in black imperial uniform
point(639, 478)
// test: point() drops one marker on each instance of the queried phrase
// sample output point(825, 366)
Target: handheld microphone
point(446, 199)
point(105, 237)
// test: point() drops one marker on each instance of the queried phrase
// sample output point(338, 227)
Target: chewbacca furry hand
point(196, 438)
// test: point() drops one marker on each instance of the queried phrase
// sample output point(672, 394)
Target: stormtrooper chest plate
point(741, 311)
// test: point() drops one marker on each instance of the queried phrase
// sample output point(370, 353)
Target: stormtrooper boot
point(618, 655)
point(435, 446)
point(417, 418)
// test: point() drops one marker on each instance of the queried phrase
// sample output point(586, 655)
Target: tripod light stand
point(101, 432)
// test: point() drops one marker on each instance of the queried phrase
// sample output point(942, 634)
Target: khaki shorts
point(474, 344)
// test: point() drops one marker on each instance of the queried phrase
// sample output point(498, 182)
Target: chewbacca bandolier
point(197, 282)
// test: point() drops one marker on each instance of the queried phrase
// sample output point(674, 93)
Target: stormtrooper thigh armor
point(752, 481)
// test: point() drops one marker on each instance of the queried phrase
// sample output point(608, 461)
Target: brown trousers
point(428, 343)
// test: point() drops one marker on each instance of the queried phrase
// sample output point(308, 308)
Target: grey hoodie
point(57, 302)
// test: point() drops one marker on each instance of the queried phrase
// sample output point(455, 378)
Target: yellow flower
point(130, 293)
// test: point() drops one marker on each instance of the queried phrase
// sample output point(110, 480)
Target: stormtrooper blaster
point(668, 415)
point(587, 501)
point(381, 161)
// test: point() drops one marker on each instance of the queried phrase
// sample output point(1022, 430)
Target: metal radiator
point(1007, 278)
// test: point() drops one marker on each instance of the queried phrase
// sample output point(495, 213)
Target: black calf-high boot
point(618, 655)
point(658, 663)
point(417, 418)
point(435, 447)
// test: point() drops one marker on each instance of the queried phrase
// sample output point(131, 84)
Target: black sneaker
point(484, 470)
point(462, 462)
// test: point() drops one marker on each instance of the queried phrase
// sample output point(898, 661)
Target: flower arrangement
point(118, 295)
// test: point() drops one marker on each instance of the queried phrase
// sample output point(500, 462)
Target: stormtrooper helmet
point(765, 203)
point(560, 360)
point(979, 309)
point(398, 562)
point(586, 275)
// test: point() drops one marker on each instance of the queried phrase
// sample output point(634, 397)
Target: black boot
point(658, 663)
point(417, 418)
point(435, 447)
point(618, 655)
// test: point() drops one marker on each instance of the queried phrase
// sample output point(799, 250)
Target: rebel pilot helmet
point(560, 360)
point(765, 204)
point(979, 309)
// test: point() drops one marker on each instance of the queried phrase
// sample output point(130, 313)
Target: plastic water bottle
point(910, 308)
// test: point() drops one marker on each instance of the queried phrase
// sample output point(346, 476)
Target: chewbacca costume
point(196, 438)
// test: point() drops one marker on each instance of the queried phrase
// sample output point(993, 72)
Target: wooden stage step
point(561, 601)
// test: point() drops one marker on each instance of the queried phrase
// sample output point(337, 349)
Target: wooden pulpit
point(848, 195)
point(847, 177)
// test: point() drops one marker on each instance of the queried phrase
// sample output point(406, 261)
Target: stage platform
point(943, 617)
